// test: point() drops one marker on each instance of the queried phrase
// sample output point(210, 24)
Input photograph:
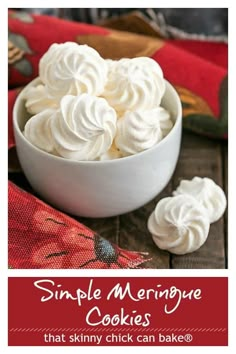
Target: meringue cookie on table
point(179, 224)
point(38, 131)
point(139, 131)
point(37, 100)
point(134, 84)
point(72, 69)
point(206, 192)
point(84, 127)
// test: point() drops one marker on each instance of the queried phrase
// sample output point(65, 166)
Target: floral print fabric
point(42, 237)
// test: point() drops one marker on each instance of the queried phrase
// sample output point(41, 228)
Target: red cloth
point(42, 237)
point(197, 69)
point(214, 52)
point(34, 34)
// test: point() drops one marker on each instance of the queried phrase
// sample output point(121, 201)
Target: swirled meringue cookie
point(112, 154)
point(139, 131)
point(38, 131)
point(206, 192)
point(179, 224)
point(83, 128)
point(134, 84)
point(111, 64)
point(69, 68)
point(37, 100)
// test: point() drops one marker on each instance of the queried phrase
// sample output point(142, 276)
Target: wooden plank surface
point(199, 156)
point(134, 234)
point(202, 157)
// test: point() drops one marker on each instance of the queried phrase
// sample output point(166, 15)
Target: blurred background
point(171, 23)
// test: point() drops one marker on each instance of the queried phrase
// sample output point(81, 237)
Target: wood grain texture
point(202, 157)
point(134, 234)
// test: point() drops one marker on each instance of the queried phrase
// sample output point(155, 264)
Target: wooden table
point(199, 156)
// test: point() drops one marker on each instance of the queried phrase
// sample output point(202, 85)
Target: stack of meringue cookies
point(180, 224)
point(86, 108)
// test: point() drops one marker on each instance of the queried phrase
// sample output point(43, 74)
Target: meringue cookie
point(179, 224)
point(84, 127)
point(111, 64)
point(69, 68)
point(139, 131)
point(206, 192)
point(38, 131)
point(112, 154)
point(134, 84)
point(37, 100)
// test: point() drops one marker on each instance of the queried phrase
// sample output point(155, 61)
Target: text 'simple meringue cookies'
point(134, 84)
point(38, 131)
point(72, 69)
point(37, 100)
point(179, 224)
point(84, 127)
point(206, 192)
point(139, 131)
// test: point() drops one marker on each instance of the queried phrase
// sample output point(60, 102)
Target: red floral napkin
point(40, 236)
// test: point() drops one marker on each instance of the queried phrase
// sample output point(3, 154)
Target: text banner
point(124, 311)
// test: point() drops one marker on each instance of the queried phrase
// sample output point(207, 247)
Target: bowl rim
point(95, 162)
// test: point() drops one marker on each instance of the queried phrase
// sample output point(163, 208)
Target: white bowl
point(100, 188)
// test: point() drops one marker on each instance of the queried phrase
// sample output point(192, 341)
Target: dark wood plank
point(202, 157)
point(225, 175)
point(134, 234)
point(195, 141)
